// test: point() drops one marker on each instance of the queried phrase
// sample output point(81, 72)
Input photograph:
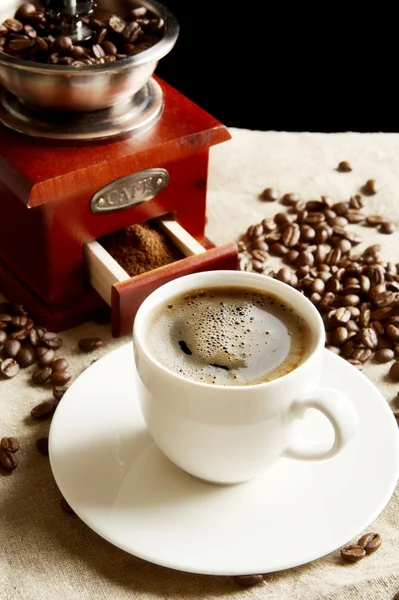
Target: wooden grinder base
point(46, 221)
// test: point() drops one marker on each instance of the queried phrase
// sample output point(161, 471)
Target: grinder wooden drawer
point(125, 294)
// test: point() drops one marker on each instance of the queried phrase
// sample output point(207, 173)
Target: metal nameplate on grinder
point(130, 190)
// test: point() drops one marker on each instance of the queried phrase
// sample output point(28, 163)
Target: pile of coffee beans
point(356, 293)
point(367, 544)
point(33, 34)
point(24, 344)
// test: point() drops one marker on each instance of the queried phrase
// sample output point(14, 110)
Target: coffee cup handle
point(338, 409)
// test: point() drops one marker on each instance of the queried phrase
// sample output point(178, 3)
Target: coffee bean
point(268, 225)
point(362, 354)
point(51, 340)
point(356, 201)
point(278, 249)
point(344, 167)
point(90, 344)
point(290, 199)
point(291, 235)
point(19, 45)
point(129, 35)
point(382, 299)
point(387, 227)
point(369, 337)
point(369, 187)
point(109, 48)
point(257, 265)
point(42, 445)
point(392, 332)
point(269, 195)
point(19, 335)
point(42, 410)
point(59, 391)
point(318, 285)
point(340, 315)
point(353, 553)
point(60, 378)
point(282, 218)
point(39, 352)
point(9, 444)
point(255, 231)
point(354, 216)
point(370, 542)
point(260, 255)
point(25, 357)
point(248, 580)
point(11, 348)
point(307, 233)
point(13, 25)
point(284, 275)
point(384, 355)
point(3, 337)
point(59, 364)
point(33, 337)
point(9, 368)
point(40, 332)
point(45, 356)
point(24, 11)
point(97, 51)
point(41, 375)
point(374, 220)
point(8, 461)
point(339, 336)
point(393, 371)
point(61, 44)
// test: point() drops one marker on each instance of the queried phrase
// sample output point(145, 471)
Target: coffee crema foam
point(229, 335)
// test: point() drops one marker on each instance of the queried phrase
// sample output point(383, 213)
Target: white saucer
point(119, 483)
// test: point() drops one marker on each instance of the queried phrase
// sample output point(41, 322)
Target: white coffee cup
point(229, 434)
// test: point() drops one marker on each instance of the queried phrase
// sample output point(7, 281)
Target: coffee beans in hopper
point(31, 35)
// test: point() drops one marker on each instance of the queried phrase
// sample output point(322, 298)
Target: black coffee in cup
point(229, 335)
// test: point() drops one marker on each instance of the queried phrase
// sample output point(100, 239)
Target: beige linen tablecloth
point(49, 555)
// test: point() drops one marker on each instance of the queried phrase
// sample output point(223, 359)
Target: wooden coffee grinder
point(87, 152)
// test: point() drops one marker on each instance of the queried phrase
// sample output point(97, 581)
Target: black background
point(292, 68)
